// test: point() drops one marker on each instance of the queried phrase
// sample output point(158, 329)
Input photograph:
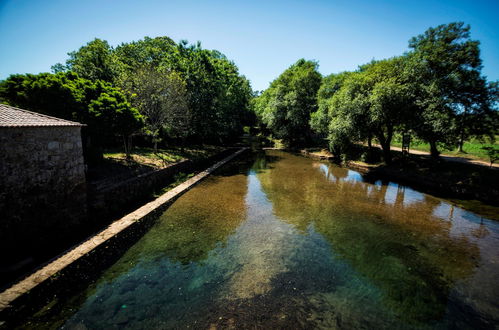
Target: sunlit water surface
point(282, 241)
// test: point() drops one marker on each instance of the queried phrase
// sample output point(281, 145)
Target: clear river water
point(276, 240)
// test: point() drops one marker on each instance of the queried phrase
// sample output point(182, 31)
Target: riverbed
point(276, 240)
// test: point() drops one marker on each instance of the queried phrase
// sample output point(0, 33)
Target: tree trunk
point(462, 131)
point(461, 142)
point(127, 149)
point(369, 142)
point(387, 155)
point(182, 144)
point(433, 149)
point(385, 144)
point(130, 146)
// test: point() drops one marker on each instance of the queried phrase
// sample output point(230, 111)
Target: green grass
point(472, 149)
point(163, 157)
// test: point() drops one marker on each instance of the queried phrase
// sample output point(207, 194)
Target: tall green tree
point(217, 95)
point(112, 115)
point(151, 52)
point(65, 95)
point(94, 61)
point(285, 107)
point(161, 98)
point(446, 68)
point(375, 102)
point(330, 85)
point(391, 100)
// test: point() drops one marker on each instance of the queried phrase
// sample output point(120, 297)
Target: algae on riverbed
point(281, 241)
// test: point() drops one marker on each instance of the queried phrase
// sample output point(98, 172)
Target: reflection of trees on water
point(481, 231)
point(395, 241)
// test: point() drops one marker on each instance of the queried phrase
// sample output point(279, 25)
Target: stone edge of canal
point(81, 264)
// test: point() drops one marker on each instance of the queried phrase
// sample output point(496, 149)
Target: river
point(276, 240)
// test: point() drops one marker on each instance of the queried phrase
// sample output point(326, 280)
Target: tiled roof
point(15, 117)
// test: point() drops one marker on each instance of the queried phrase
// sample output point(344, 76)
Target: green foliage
point(65, 95)
point(60, 95)
point(451, 93)
point(217, 95)
point(161, 97)
point(285, 107)
point(330, 85)
point(373, 102)
point(492, 153)
point(94, 61)
point(436, 91)
point(112, 114)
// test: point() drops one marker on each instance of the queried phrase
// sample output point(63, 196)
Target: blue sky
point(262, 37)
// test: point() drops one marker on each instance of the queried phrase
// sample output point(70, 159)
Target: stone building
point(42, 182)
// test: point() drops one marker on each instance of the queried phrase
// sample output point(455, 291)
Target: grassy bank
point(446, 179)
point(115, 166)
point(163, 157)
point(472, 149)
point(455, 180)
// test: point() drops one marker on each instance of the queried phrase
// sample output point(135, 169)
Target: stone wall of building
point(42, 180)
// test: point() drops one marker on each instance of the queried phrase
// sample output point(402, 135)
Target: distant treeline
point(435, 91)
point(153, 87)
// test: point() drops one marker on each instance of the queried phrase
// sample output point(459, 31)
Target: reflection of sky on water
point(412, 196)
point(391, 193)
point(463, 222)
point(329, 175)
point(290, 246)
point(353, 176)
point(409, 196)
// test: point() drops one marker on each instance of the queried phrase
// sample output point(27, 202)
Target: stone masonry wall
point(110, 200)
point(42, 186)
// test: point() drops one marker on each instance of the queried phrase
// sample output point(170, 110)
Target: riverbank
point(78, 266)
point(115, 188)
point(443, 178)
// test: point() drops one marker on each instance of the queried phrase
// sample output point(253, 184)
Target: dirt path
point(449, 158)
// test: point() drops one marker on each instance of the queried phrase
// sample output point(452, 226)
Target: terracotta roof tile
point(15, 117)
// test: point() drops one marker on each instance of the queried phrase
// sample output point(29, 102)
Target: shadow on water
point(281, 241)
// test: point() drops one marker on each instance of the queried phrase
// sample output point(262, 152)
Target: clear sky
point(262, 37)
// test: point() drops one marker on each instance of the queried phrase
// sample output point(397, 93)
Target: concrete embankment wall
point(113, 199)
point(75, 269)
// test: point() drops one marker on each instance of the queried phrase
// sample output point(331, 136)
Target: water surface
point(282, 241)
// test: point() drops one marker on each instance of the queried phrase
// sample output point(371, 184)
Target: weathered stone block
point(53, 145)
point(68, 145)
point(39, 168)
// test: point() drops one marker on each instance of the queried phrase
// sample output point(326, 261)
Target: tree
point(113, 112)
point(94, 61)
point(61, 95)
point(159, 52)
point(217, 95)
point(376, 101)
point(390, 100)
point(330, 85)
point(492, 153)
point(161, 97)
point(285, 107)
point(348, 113)
point(473, 110)
point(65, 95)
point(446, 65)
